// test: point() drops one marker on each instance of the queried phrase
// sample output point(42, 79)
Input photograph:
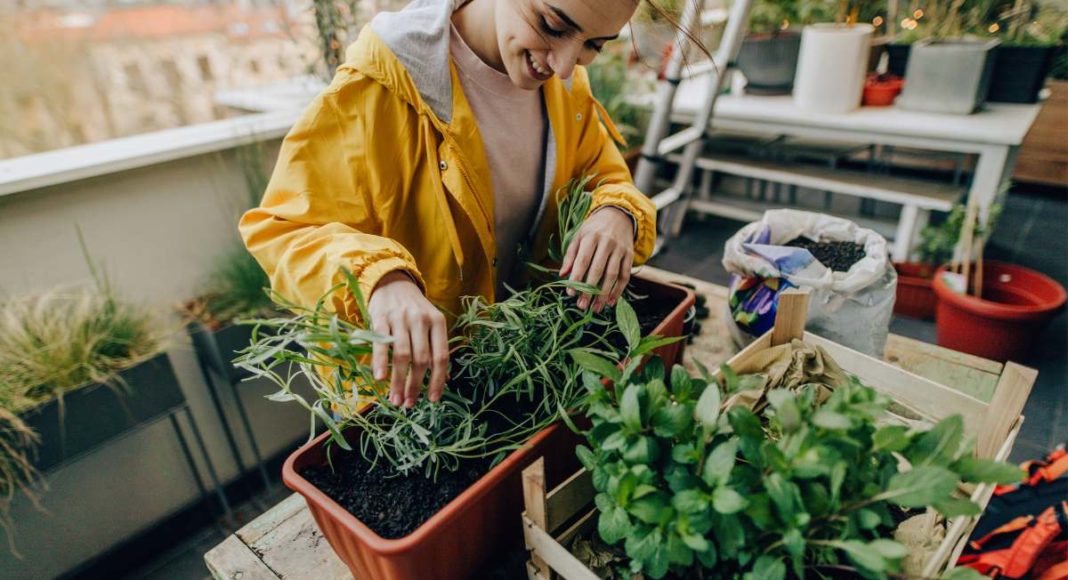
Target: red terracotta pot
point(880, 91)
point(915, 294)
point(1017, 303)
point(483, 520)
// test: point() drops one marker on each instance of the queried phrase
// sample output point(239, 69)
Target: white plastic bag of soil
point(852, 308)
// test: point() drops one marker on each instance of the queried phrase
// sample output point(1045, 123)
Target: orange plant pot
point(484, 519)
point(915, 292)
point(881, 90)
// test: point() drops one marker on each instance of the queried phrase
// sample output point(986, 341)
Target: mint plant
point(802, 488)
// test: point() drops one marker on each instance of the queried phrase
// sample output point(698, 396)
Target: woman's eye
point(550, 30)
point(595, 47)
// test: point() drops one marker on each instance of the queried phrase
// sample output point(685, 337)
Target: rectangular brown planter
point(479, 523)
point(95, 414)
point(915, 293)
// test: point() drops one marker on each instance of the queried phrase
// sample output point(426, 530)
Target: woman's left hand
point(601, 254)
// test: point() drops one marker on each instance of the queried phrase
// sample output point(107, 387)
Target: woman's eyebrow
point(568, 21)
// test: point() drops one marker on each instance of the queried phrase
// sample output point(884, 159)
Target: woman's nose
point(563, 60)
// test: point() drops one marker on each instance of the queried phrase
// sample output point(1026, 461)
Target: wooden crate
point(552, 519)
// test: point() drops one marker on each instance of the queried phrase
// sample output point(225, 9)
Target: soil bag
point(852, 308)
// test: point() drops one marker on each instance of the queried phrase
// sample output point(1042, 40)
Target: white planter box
point(831, 67)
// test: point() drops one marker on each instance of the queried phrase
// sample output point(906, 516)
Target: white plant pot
point(831, 67)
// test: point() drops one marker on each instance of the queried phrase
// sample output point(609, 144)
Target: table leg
point(993, 171)
point(912, 220)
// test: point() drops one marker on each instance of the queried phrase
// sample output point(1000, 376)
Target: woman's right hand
point(420, 339)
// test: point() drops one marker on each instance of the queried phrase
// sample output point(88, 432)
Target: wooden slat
point(233, 560)
point(967, 373)
point(297, 550)
point(923, 395)
point(272, 518)
point(568, 499)
point(585, 525)
point(534, 502)
point(790, 316)
point(1007, 405)
point(556, 556)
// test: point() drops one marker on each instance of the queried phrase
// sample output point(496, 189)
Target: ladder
point(671, 204)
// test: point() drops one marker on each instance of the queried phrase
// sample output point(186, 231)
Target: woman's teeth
point(537, 67)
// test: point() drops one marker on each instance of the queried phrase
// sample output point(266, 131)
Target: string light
point(909, 24)
point(994, 27)
point(785, 24)
point(877, 21)
point(917, 14)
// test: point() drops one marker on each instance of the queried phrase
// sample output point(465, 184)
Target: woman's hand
point(420, 339)
point(601, 254)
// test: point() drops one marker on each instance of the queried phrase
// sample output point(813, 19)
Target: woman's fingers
point(402, 357)
point(419, 332)
point(610, 282)
point(583, 257)
point(625, 263)
point(597, 270)
point(380, 351)
point(439, 346)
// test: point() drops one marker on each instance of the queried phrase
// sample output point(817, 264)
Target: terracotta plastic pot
point(482, 521)
point(1017, 303)
point(881, 92)
point(915, 294)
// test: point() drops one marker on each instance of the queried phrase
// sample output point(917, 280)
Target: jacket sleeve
point(614, 185)
point(318, 214)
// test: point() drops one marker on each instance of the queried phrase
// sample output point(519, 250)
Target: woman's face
point(541, 38)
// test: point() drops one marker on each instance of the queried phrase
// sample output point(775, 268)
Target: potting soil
point(838, 256)
point(395, 505)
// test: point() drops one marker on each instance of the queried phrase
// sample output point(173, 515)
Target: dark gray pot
point(95, 414)
point(769, 62)
point(1019, 73)
point(219, 347)
point(949, 76)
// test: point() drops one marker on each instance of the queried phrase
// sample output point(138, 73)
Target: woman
point(433, 155)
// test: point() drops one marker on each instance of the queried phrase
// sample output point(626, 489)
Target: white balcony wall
point(157, 219)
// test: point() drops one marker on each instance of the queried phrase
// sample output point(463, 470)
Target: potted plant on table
point(433, 491)
point(768, 54)
point(1030, 35)
point(833, 62)
point(78, 367)
point(948, 72)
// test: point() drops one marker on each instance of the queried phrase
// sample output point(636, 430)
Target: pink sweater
point(512, 125)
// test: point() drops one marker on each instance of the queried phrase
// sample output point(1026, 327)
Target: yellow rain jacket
point(386, 170)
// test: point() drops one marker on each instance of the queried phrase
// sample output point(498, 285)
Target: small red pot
point(1017, 303)
point(483, 520)
point(915, 294)
point(881, 90)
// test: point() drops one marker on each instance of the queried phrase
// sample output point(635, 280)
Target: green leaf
point(628, 323)
point(630, 408)
point(617, 440)
point(597, 364)
point(696, 542)
point(938, 446)
point(642, 546)
point(863, 555)
point(707, 410)
point(641, 450)
point(922, 486)
point(720, 462)
point(708, 557)
point(651, 343)
point(681, 383)
point(678, 553)
point(613, 525)
point(830, 420)
point(671, 420)
point(988, 471)
point(683, 453)
point(727, 501)
point(650, 508)
point(690, 501)
point(889, 549)
point(585, 457)
point(781, 493)
point(768, 568)
point(892, 438)
point(956, 507)
point(868, 520)
point(643, 490)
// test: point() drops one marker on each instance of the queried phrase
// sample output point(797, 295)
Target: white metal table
point(994, 134)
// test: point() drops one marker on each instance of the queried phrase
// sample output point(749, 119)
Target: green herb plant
point(800, 489)
point(939, 241)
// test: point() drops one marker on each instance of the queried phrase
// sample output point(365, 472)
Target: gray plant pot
point(769, 62)
point(95, 414)
point(219, 347)
point(949, 76)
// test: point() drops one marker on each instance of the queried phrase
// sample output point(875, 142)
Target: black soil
point(394, 505)
point(838, 256)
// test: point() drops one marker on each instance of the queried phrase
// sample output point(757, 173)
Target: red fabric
point(1033, 550)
